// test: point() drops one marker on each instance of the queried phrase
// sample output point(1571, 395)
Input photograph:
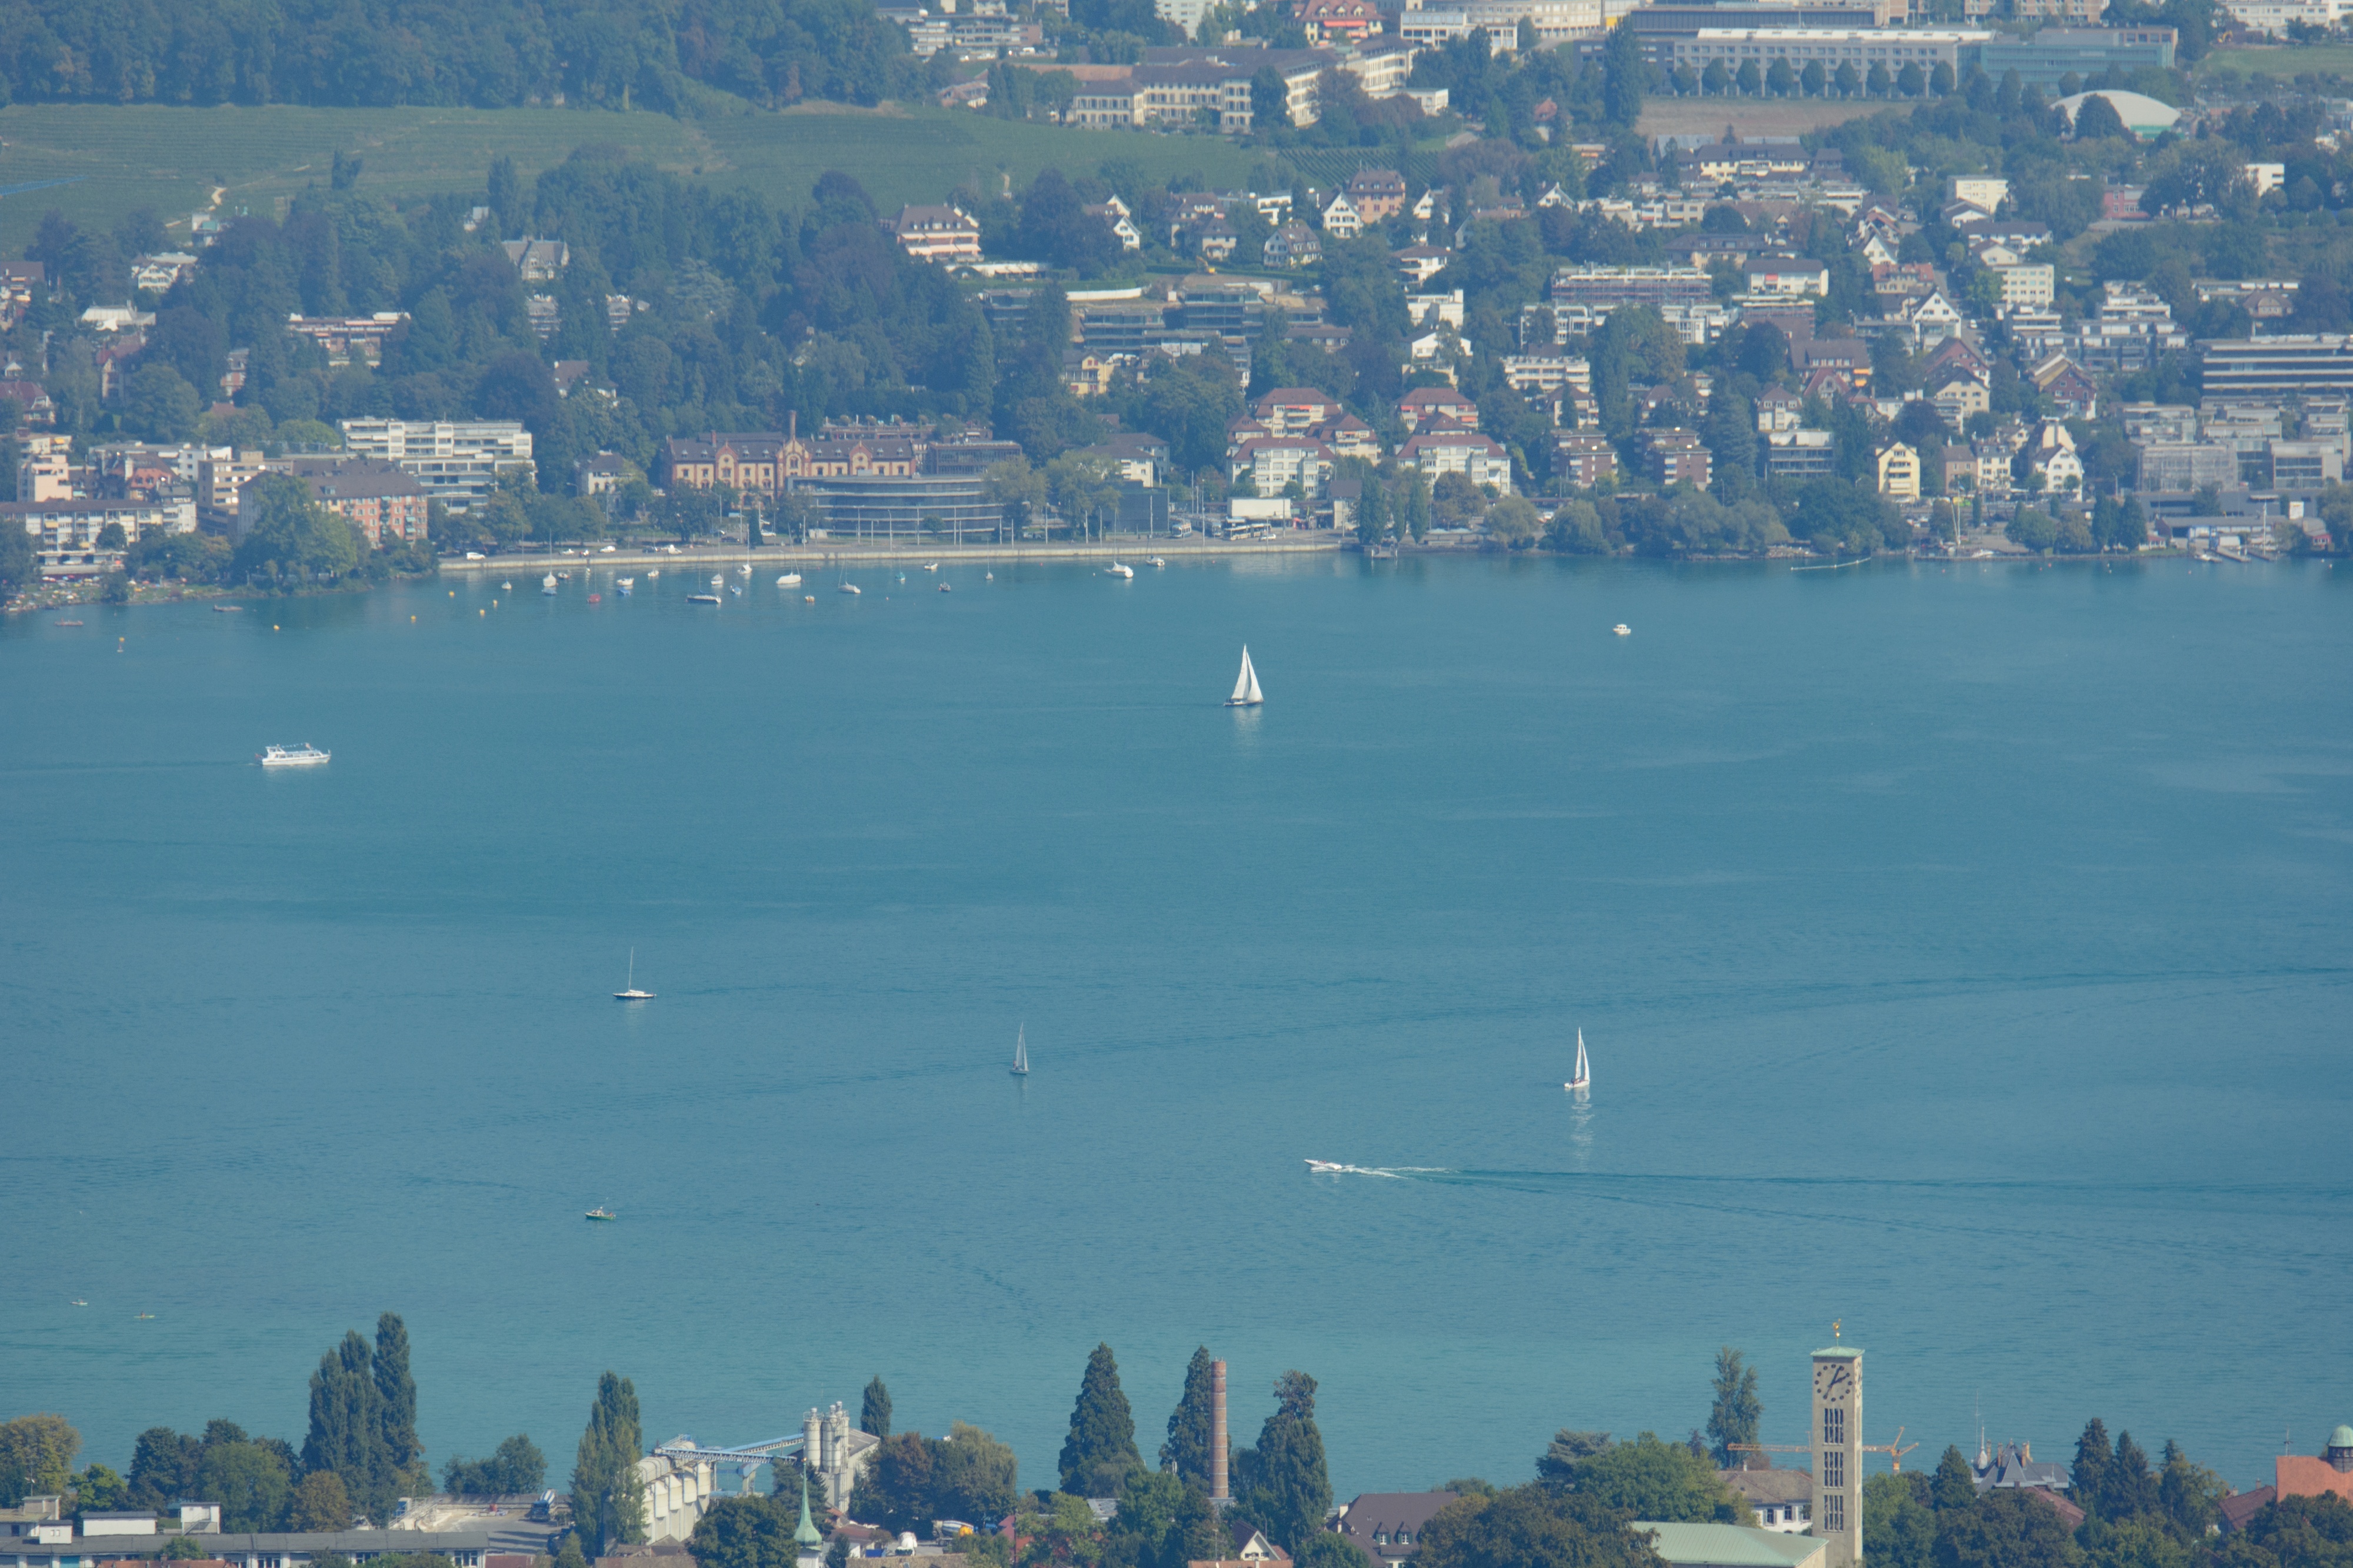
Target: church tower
point(1838, 1452)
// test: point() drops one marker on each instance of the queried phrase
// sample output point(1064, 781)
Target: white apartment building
point(1862, 48)
point(458, 463)
point(2025, 284)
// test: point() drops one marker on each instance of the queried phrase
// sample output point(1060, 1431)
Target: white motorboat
point(848, 588)
point(626, 584)
point(652, 573)
point(789, 580)
point(305, 756)
point(633, 993)
point(1622, 629)
point(1158, 563)
point(718, 580)
point(506, 587)
point(1246, 692)
point(737, 592)
point(1116, 570)
point(703, 598)
point(944, 587)
point(744, 570)
point(1581, 1077)
point(1325, 1167)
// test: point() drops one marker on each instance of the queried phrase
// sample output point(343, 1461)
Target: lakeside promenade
point(845, 552)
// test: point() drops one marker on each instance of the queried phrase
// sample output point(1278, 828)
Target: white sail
point(1582, 1077)
point(1246, 692)
point(1021, 1052)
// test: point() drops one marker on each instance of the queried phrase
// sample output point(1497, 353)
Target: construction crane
point(1895, 1451)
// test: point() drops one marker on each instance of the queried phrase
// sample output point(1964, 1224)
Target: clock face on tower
point(1833, 1379)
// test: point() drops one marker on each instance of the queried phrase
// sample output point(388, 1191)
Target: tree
point(1848, 80)
point(1647, 1479)
point(164, 1463)
point(1940, 81)
point(2294, 1533)
point(1556, 1466)
point(287, 536)
point(517, 1469)
point(1624, 74)
point(1269, 100)
point(1814, 80)
point(1955, 1484)
point(746, 1530)
point(320, 1502)
point(37, 1452)
point(1100, 1451)
point(249, 1483)
point(159, 405)
point(1531, 1527)
point(2097, 119)
point(975, 1476)
point(1899, 1528)
point(1877, 82)
point(874, 1413)
point(1750, 80)
point(402, 1455)
point(2190, 1495)
point(1188, 1452)
point(1780, 78)
point(2093, 1456)
point(290, 537)
point(1912, 82)
point(1513, 520)
point(606, 1497)
point(183, 1548)
point(98, 1490)
point(2004, 1528)
point(1736, 1413)
point(1281, 1486)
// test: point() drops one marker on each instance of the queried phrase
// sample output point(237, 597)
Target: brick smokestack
point(1216, 1432)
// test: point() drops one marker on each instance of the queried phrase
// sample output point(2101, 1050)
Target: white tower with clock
point(1837, 1454)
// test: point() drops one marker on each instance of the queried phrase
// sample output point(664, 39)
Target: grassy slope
point(2280, 61)
point(171, 159)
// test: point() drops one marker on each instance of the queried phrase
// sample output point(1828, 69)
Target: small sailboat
point(1116, 570)
point(626, 584)
point(652, 573)
point(744, 570)
point(1581, 1077)
point(933, 566)
point(1158, 563)
point(1246, 692)
point(632, 993)
point(945, 587)
point(506, 587)
point(789, 580)
point(548, 587)
point(1021, 1052)
point(718, 580)
point(847, 588)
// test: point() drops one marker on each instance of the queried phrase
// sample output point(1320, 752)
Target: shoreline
point(832, 554)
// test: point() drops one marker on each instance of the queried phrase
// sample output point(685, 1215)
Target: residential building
point(1583, 458)
point(1678, 456)
point(1607, 287)
point(538, 260)
point(1420, 263)
point(601, 475)
point(458, 462)
point(1986, 192)
point(346, 338)
point(1337, 20)
point(2025, 283)
point(2183, 466)
point(2158, 421)
point(1796, 454)
point(33, 403)
point(1548, 373)
point(1340, 217)
point(936, 233)
point(384, 504)
point(46, 476)
point(1273, 462)
point(1190, 86)
point(1387, 1526)
point(1293, 245)
point(1788, 276)
point(1378, 194)
point(766, 462)
point(65, 541)
point(1294, 410)
point(1448, 449)
point(1425, 404)
point(2278, 367)
point(1441, 309)
point(1899, 471)
point(1778, 409)
point(222, 474)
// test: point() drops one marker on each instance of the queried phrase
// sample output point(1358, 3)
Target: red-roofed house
point(1291, 410)
point(2302, 1476)
point(1423, 403)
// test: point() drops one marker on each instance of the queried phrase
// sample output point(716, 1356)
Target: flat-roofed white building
point(458, 463)
point(1862, 48)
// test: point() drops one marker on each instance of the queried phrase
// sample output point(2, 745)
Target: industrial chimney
point(1217, 1434)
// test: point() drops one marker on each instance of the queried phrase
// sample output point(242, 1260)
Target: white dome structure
point(2143, 116)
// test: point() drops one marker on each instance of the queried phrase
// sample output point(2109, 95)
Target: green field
point(2280, 61)
point(172, 158)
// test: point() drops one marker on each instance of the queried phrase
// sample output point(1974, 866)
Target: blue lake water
point(1963, 953)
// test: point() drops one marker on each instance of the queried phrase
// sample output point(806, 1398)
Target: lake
point(1962, 951)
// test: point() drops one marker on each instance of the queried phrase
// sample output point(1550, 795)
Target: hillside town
point(2047, 299)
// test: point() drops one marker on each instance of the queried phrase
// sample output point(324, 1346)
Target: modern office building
point(2278, 367)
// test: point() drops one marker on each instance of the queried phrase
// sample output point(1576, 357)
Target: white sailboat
point(1246, 692)
point(633, 993)
point(1581, 1077)
point(1021, 1052)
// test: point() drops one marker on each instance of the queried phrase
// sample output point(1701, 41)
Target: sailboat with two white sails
point(1581, 1075)
point(1246, 692)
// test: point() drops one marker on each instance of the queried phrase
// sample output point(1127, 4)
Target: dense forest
point(492, 53)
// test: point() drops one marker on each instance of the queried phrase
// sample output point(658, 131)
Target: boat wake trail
point(1395, 1172)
